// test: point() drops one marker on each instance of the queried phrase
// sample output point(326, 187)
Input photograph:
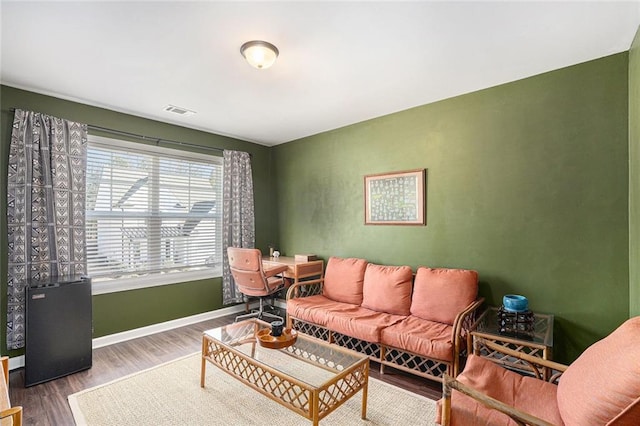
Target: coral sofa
point(413, 324)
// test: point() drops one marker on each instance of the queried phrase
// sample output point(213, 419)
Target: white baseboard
point(18, 361)
point(163, 326)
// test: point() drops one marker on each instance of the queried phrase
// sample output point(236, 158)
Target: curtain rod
point(148, 138)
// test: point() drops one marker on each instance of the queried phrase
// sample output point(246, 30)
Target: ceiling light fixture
point(260, 54)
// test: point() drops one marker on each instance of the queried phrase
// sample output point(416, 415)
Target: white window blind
point(151, 212)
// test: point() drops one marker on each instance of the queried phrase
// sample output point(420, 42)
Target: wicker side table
point(539, 343)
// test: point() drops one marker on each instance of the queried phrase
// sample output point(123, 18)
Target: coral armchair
point(601, 387)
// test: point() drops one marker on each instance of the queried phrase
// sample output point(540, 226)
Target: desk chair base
point(260, 313)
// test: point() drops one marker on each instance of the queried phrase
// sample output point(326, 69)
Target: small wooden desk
point(297, 269)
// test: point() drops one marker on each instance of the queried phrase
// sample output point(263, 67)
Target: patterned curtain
point(238, 219)
point(45, 207)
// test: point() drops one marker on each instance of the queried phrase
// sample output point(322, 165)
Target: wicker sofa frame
point(399, 358)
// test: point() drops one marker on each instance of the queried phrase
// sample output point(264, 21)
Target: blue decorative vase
point(515, 303)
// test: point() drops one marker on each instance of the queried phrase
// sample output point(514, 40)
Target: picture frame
point(395, 198)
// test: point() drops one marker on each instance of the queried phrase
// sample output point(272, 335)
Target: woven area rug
point(170, 394)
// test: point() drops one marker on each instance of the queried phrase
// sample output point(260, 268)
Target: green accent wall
point(116, 312)
point(527, 183)
point(634, 176)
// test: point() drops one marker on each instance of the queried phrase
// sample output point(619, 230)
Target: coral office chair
point(601, 387)
point(253, 280)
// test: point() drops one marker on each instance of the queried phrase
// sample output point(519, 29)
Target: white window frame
point(152, 280)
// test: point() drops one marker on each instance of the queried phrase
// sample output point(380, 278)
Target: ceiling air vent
point(179, 110)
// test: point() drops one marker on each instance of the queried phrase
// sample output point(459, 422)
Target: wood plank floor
point(46, 404)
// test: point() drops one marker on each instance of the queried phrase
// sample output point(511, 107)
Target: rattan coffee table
point(310, 377)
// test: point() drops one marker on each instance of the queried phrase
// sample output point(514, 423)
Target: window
point(153, 215)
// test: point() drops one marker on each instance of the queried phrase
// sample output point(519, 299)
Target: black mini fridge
point(58, 327)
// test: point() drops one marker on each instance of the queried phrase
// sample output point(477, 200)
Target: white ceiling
point(340, 62)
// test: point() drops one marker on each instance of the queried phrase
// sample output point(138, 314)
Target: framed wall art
point(395, 198)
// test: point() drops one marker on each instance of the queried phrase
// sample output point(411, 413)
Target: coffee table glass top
point(310, 360)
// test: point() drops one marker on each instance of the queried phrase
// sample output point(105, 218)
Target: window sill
point(155, 280)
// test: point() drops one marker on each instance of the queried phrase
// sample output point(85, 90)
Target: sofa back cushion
point(387, 289)
point(602, 386)
point(343, 280)
point(441, 294)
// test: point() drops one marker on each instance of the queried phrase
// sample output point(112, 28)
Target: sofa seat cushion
point(441, 294)
point(361, 323)
point(388, 289)
point(315, 309)
point(422, 337)
point(602, 386)
point(530, 395)
point(343, 280)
